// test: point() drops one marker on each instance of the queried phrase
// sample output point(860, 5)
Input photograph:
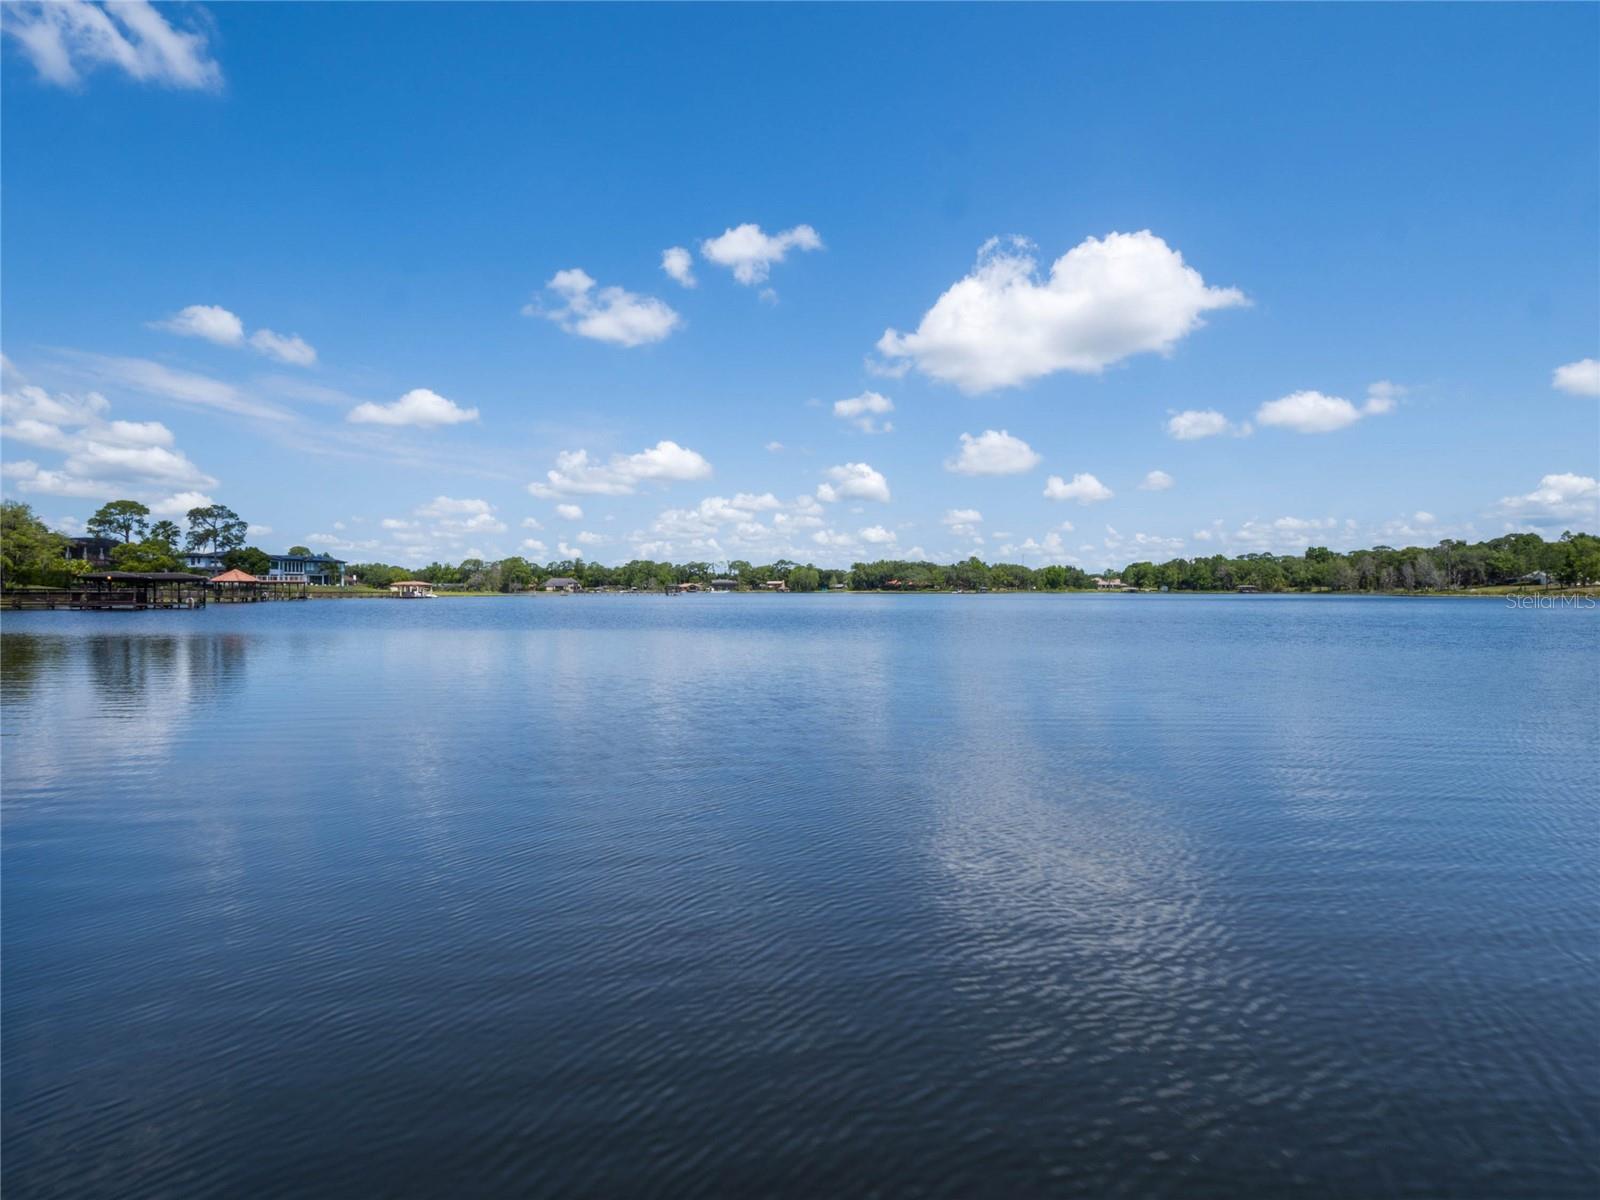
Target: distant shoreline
point(1485, 593)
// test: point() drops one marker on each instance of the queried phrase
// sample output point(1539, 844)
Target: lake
point(804, 896)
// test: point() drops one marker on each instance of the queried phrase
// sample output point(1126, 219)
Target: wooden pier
point(117, 591)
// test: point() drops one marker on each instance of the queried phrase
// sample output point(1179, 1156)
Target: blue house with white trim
point(322, 569)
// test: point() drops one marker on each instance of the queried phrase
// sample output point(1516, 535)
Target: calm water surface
point(803, 896)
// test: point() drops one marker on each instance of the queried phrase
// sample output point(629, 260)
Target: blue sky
point(370, 273)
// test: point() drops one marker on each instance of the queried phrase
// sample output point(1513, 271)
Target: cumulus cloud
point(1381, 398)
point(454, 518)
point(102, 458)
point(993, 452)
point(864, 410)
point(853, 481)
point(569, 512)
point(877, 535)
point(208, 321)
point(963, 522)
point(1084, 488)
point(1156, 481)
point(750, 253)
point(180, 503)
point(576, 473)
point(608, 314)
point(67, 39)
point(218, 325)
point(1314, 412)
point(1104, 300)
point(1048, 549)
point(679, 265)
point(1581, 378)
point(290, 348)
point(419, 407)
point(1194, 423)
point(1562, 497)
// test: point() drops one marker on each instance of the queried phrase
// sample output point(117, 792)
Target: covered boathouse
point(241, 587)
point(118, 591)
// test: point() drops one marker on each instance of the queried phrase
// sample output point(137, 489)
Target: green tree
point(216, 527)
point(299, 551)
point(516, 574)
point(151, 554)
point(804, 579)
point(30, 553)
point(119, 518)
point(166, 532)
point(249, 560)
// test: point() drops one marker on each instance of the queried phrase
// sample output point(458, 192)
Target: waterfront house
point(1107, 585)
point(724, 585)
point(562, 583)
point(321, 569)
point(776, 585)
point(96, 551)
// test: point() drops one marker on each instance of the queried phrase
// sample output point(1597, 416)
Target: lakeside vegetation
point(1572, 560)
point(33, 555)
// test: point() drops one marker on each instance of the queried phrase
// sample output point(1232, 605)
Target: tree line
point(1572, 559)
point(32, 554)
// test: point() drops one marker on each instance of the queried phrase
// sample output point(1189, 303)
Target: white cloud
point(531, 523)
point(774, 447)
point(749, 253)
point(216, 324)
point(609, 314)
point(862, 411)
point(534, 545)
point(290, 348)
point(448, 506)
point(1084, 488)
point(1194, 423)
point(834, 540)
point(576, 473)
point(1156, 481)
point(1382, 397)
point(179, 503)
point(963, 522)
point(184, 387)
point(1314, 412)
point(877, 535)
point(993, 452)
point(420, 407)
point(208, 321)
point(679, 264)
point(65, 39)
point(569, 512)
point(585, 538)
point(854, 481)
point(450, 521)
point(1581, 378)
point(1047, 549)
point(1104, 300)
point(102, 458)
point(1562, 497)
